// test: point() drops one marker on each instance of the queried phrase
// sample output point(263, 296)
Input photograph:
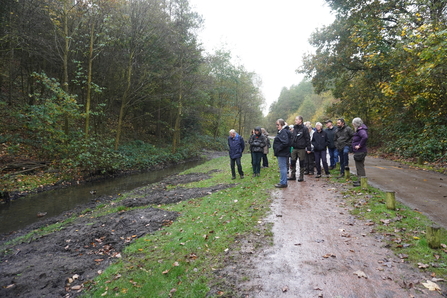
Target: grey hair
point(357, 122)
point(232, 131)
point(281, 122)
point(318, 123)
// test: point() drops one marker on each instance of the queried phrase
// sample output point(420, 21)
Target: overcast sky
point(267, 37)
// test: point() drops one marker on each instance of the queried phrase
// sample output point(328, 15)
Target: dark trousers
point(265, 160)
point(256, 162)
point(309, 162)
point(236, 161)
point(360, 166)
point(320, 157)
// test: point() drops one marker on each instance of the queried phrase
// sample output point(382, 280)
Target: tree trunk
point(65, 60)
point(124, 101)
point(89, 82)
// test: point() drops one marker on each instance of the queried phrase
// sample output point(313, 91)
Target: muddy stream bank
point(19, 213)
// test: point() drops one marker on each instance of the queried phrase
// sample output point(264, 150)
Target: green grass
point(403, 229)
point(181, 259)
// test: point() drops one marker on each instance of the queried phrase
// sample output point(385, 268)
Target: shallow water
point(22, 212)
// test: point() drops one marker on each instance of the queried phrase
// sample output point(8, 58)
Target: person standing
point(343, 139)
point(265, 160)
point(333, 153)
point(359, 140)
point(301, 146)
point(281, 149)
point(236, 146)
point(257, 143)
point(309, 161)
point(320, 142)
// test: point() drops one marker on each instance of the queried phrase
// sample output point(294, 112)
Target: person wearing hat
point(333, 153)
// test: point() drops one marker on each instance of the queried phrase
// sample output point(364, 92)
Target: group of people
point(304, 146)
point(308, 147)
point(259, 149)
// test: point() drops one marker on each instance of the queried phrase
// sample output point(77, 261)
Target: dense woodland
point(90, 82)
point(385, 61)
point(100, 85)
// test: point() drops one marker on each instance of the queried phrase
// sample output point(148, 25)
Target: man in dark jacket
point(236, 146)
point(320, 141)
point(333, 153)
point(342, 139)
point(301, 145)
point(281, 149)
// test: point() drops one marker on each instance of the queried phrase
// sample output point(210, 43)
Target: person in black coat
point(236, 146)
point(320, 142)
point(281, 149)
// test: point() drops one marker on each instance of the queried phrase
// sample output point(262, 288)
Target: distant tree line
point(384, 61)
point(77, 76)
point(301, 100)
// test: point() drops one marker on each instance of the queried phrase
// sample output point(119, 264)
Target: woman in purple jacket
point(359, 140)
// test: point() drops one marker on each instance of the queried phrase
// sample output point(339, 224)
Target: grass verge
point(403, 230)
point(183, 259)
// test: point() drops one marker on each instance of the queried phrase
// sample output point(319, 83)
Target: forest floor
point(319, 249)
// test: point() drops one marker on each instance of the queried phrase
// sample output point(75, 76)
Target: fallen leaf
point(285, 289)
point(423, 266)
point(165, 272)
point(176, 264)
point(438, 279)
point(360, 274)
point(403, 256)
point(329, 255)
point(431, 286)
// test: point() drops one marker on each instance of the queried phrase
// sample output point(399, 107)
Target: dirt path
point(320, 250)
point(425, 191)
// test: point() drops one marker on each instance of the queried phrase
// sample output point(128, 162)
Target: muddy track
point(319, 250)
point(62, 263)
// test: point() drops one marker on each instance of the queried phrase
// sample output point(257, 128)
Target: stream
point(24, 211)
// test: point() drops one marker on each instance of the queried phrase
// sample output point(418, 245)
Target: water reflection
point(22, 212)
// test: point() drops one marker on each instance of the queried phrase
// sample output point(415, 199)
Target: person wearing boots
point(343, 139)
point(281, 149)
point(257, 143)
point(301, 146)
point(359, 140)
point(236, 146)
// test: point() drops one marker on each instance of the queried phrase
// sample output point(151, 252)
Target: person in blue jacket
point(236, 146)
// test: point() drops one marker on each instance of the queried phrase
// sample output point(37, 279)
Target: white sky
point(266, 37)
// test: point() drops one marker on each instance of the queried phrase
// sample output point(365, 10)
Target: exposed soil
point(59, 265)
point(319, 250)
